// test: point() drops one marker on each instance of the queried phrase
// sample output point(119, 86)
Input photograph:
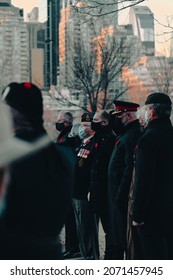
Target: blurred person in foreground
point(120, 170)
point(153, 182)
point(11, 149)
point(40, 185)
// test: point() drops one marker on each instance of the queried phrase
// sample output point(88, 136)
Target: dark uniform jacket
point(122, 162)
point(103, 147)
point(120, 175)
point(83, 168)
point(63, 136)
point(38, 197)
point(153, 187)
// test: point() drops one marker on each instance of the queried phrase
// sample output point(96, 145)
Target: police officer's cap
point(87, 117)
point(124, 106)
point(159, 98)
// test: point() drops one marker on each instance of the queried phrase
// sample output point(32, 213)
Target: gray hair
point(161, 110)
point(67, 116)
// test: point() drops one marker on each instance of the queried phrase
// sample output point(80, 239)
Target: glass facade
point(43, 10)
point(49, 13)
point(142, 20)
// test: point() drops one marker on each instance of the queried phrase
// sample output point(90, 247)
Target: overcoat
point(120, 176)
point(153, 186)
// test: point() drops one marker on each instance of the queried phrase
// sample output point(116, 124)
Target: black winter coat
point(83, 169)
point(153, 187)
point(122, 162)
point(38, 197)
point(103, 147)
point(120, 176)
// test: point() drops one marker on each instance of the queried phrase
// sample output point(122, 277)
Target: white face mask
point(147, 117)
point(81, 132)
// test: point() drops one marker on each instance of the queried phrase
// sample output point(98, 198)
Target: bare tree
point(99, 8)
point(9, 66)
point(95, 66)
point(168, 25)
point(161, 74)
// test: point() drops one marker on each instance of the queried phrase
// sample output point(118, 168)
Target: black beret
point(159, 98)
point(26, 98)
point(124, 106)
point(87, 117)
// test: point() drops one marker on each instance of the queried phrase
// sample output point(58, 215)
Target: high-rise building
point(49, 13)
point(142, 20)
point(33, 15)
point(14, 60)
point(36, 31)
point(77, 25)
point(84, 43)
point(171, 46)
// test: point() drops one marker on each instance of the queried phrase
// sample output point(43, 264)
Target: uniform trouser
point(135, 245)
point(116, 233)
point(71, 239)
point(157, 247)
point(87, 229)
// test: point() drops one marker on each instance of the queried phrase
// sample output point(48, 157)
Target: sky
point(162, 9)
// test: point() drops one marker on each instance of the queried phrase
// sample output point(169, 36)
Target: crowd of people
point(112, 168)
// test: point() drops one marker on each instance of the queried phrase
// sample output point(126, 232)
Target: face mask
point(146, 117)
point(96, 126)
point(59, 126)
point(124, 120)
point(81, 132)
point(117, 125)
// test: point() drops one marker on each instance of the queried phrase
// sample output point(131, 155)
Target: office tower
point(171, 45)
point(49, 13)
point(76, 25)
point(36, 33)
point(33, 15)
point(14, 60)
point(142, 20)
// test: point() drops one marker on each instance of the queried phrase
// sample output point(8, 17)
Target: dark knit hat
point(26, 98)
point(124, 106)
point(87, 117)
point(159, 98)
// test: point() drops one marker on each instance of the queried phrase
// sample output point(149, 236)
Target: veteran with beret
point(84, 218)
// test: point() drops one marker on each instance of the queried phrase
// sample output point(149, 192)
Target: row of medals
point(83, 154)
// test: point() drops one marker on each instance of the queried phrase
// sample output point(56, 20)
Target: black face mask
point(59, 126)
point(96, 126)
point(117, 125)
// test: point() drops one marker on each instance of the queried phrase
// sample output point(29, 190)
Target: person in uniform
point(153, 183)
point(85, 220)
point(104, 142)
point(120, 174)
point(64, 125)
